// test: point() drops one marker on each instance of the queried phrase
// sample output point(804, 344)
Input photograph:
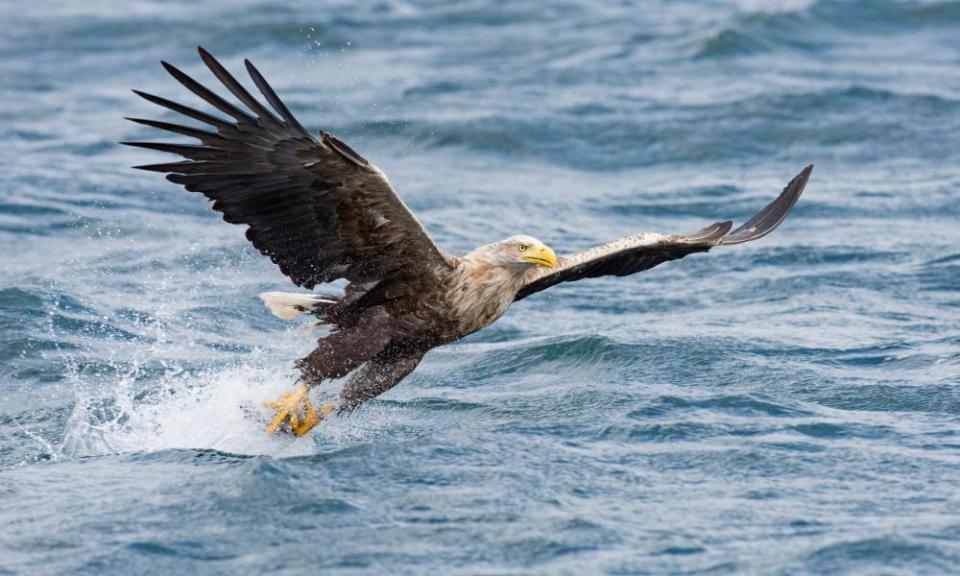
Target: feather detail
point(286, 306)
point(480, 292)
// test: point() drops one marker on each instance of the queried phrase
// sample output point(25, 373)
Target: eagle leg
point(376, 377)
point(296, 409)
point(344, 350)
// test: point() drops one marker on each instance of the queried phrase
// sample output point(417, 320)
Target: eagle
point(322, 212)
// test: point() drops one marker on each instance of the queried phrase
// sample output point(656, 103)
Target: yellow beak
point(541, 256)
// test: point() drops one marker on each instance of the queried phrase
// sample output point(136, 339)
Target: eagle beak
point(541, 256)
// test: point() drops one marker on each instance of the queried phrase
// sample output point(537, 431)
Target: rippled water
point(789, 406)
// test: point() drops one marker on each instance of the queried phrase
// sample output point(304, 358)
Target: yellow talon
point(296, 408)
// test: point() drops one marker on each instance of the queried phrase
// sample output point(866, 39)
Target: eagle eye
point(523, 247)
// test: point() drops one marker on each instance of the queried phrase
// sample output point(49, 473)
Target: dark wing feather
point(318, 209)
point(645, 250)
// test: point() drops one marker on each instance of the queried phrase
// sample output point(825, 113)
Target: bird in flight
point(321, 212)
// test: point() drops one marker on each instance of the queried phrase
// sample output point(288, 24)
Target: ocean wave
point(786, 406)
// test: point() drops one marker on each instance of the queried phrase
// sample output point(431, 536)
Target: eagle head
point(520, 252)
point(487, 279)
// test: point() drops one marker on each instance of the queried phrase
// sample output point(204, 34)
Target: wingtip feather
point(773, 214)
point(715, 231)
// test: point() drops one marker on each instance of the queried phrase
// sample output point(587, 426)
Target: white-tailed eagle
point(321, 212)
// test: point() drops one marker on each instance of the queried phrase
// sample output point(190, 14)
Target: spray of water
point(218, 409)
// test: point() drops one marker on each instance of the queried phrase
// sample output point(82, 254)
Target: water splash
point(218, 409)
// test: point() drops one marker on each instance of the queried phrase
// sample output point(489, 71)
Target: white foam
point(218, 410)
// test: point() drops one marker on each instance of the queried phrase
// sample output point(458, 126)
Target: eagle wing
point(315, 207)
point(648, 249)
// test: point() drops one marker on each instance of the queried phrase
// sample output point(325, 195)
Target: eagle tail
point(288, 306)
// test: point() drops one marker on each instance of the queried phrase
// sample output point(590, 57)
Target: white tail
point(288, 306)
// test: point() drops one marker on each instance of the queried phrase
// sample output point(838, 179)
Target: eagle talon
point(295, 409)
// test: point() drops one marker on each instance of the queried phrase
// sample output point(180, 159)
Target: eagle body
point(321, 212)
point(444, 307)
point(403, 317)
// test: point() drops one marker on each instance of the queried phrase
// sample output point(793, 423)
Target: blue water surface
point(791, 406)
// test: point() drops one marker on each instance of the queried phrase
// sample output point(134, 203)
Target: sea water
point(789, 406)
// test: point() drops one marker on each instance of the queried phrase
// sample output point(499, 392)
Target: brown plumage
point(322, 212)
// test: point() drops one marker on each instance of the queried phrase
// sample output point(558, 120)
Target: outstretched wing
point(645, 250)
point(318, 209)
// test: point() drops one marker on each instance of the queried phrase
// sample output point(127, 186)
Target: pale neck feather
point(481, 291)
